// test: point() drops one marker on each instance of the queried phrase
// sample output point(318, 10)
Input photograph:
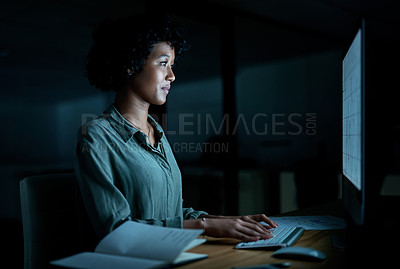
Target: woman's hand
point(245, 228)
point(262, 217)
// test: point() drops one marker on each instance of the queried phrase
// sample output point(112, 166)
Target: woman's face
point(153, 83)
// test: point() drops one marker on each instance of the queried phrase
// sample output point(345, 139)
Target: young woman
point(125, 166)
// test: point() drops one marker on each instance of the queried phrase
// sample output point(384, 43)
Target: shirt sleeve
point(169, 222)
point(105, 204)
point(190, 213)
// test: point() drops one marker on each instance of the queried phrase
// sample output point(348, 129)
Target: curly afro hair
point(125, 43)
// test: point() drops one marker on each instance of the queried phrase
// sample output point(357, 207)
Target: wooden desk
point(222, 253)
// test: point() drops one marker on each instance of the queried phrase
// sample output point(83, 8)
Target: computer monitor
point(370, 133)
point(369, 120)
point(353, 127)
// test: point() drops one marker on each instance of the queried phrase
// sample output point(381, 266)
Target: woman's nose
point(170, 75)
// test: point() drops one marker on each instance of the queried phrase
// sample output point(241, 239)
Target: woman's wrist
point(193, 224)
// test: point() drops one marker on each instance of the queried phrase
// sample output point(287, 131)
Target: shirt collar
point(125, 129)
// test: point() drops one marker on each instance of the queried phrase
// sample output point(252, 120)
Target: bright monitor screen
point(352, 113)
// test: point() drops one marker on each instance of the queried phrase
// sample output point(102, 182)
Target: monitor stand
point(339, 239)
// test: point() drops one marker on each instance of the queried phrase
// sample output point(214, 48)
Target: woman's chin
point(159, 102)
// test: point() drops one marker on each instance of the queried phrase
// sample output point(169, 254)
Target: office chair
point(52, 219)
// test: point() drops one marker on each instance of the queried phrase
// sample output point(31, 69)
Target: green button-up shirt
point(123, 177)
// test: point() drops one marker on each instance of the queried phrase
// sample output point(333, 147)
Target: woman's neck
point(132, 108)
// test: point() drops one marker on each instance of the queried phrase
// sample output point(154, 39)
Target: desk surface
point(222, 253)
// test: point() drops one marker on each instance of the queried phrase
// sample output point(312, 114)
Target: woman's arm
point(246, 228)
point(106, 205)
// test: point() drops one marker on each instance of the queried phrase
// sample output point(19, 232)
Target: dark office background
point(253, 116)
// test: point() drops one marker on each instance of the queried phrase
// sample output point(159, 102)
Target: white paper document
point(136, 245)
point(323, 222)
point(145, 241)
point(106, 261)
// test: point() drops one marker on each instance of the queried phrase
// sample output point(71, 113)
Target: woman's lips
point(165, 89)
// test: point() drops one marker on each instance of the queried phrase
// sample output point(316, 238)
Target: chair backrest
point(49, 218)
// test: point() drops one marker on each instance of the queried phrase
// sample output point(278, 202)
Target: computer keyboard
point(283, 237)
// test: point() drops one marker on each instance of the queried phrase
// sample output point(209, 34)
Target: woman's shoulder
point(97, 128)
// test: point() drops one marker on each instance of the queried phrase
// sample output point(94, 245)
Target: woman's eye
point(163, 63)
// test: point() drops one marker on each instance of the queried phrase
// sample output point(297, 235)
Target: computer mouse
point(299, 253)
